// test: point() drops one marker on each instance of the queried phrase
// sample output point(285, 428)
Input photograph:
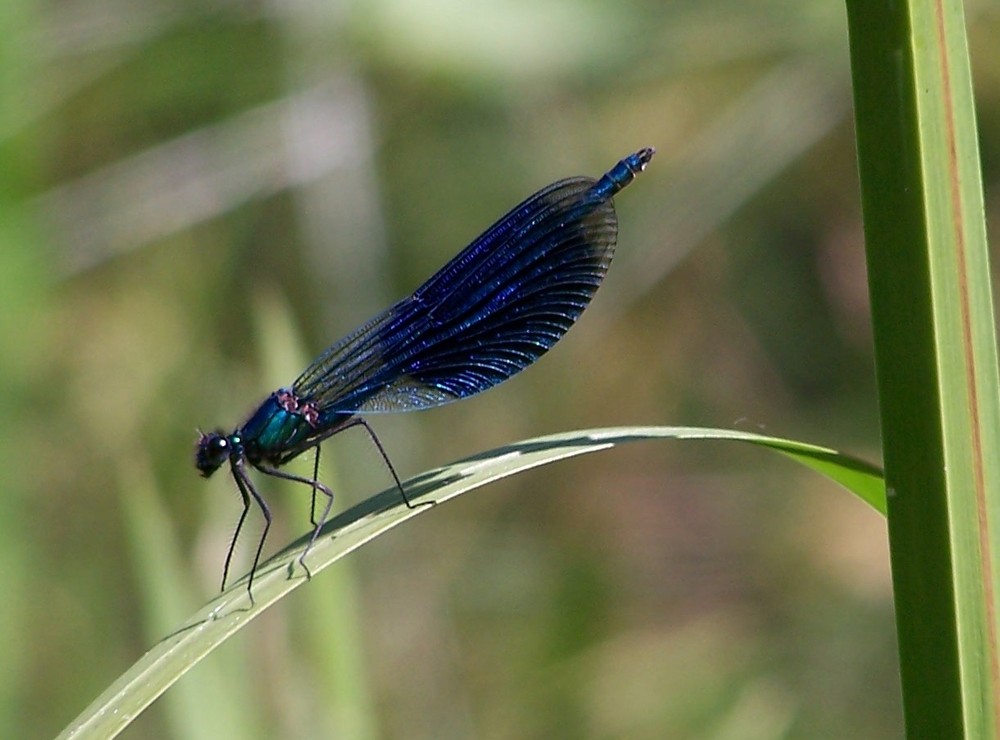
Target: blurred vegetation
point(197, 198)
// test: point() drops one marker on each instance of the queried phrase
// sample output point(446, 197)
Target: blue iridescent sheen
point(494, 309)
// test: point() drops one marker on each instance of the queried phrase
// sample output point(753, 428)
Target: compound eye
point(210, 452)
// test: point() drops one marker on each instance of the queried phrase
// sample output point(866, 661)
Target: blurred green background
point(199, 197)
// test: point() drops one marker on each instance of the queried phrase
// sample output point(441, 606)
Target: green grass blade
point(936, 357)
point(229, 612)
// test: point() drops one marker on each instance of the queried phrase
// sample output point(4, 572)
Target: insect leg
point(359, 421)
point(315, 478)
point(316, 486)
point(239, 525)
point(247, 490)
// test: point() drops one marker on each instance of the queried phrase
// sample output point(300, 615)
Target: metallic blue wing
point(490, 312)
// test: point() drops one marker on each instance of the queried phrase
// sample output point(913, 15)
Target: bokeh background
point(199, 197)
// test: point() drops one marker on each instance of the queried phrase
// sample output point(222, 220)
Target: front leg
point(247, 491)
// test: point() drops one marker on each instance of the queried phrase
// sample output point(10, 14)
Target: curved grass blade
point(229, 612)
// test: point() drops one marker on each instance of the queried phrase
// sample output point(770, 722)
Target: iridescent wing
point(490, 312)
